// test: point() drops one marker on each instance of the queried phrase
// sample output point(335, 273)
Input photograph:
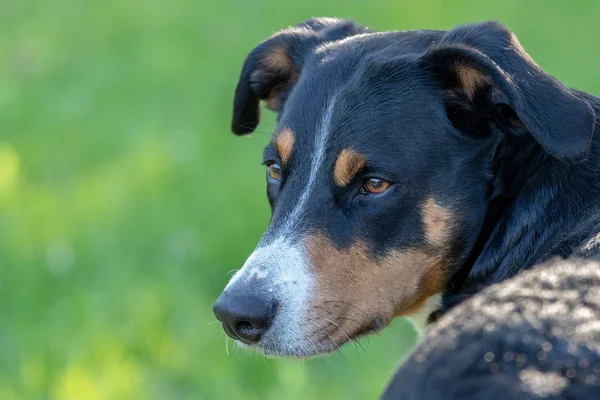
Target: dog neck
point(540, 208)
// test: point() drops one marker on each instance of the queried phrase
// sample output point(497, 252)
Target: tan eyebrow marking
point(347, 165)
point(471, 79)
point(284, 143)
point(436, 223)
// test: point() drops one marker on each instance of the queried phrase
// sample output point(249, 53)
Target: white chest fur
point(419, 317)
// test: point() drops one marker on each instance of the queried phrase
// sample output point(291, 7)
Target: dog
point(420, 174)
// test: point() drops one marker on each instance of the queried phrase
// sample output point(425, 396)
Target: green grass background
point(125, 200)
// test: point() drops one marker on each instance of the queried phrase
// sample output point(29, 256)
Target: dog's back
point(534, 336)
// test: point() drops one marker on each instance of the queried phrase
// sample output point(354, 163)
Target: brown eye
point(375, 186)
point(274, 171)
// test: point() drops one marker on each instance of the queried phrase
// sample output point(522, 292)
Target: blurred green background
point(125, 202)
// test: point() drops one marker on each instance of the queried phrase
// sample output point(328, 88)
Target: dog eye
point(375, 186)
point(274, 171)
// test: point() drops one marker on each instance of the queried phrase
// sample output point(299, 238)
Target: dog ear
point(273, 67)
point(484, 72)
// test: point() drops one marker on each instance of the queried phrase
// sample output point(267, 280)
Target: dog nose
point(244, 318)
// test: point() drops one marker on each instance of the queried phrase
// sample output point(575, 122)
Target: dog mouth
point(275, 305)
point(294, 350)
point(318, 341)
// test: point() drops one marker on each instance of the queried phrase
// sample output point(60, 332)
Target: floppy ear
point(273, 67)
point(485, 73)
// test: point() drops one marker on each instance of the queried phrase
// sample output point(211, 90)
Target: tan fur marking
point(277, 59)
point(436, 223)
point(470, 79)
point(284, 143)
point(279, 62)
point(347, 165)
point(354, 288)
point(432, 282)
point(274, 100)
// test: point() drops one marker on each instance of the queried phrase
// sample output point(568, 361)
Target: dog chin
point(276, 347)
point(291, 350)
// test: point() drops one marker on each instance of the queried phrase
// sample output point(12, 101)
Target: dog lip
point(301, 353)
point(374, 326)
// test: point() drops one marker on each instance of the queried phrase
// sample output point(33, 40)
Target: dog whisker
point(350, 306)
point(233, 271)
point(354, 342)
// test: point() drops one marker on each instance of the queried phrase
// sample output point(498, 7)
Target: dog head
point(380, 171)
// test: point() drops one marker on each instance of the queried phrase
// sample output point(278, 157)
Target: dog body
point(408, 172)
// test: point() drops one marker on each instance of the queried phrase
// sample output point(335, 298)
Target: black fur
point(517, 162)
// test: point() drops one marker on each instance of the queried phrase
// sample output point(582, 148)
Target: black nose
point(244, 318)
